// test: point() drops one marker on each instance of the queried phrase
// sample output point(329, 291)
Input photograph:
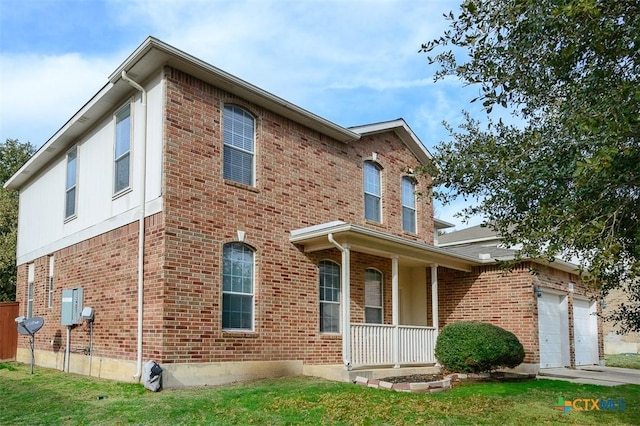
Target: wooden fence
point(8, 330)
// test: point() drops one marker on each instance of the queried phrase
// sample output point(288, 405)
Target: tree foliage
point(564, 180)
point(13, 155)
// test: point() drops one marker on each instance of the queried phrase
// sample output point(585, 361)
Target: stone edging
point(423, 387)
point(427, 387)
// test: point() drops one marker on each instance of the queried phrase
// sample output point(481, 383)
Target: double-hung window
point(71, 185)
point(122, 155)
point(373, 296)
point(239, 138)
point(408, 204)
point(31, 275)
point(237, 287)
point(329, 297)
point(50, 283)
point(372, 192)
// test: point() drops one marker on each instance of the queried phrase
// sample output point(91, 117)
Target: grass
point(53, 397)
point(623, 361)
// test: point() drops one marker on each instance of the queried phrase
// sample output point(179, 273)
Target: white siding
point(41, 227)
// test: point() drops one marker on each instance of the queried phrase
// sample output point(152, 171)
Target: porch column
point(434, 296)
point(395, 312)
point(346, 306)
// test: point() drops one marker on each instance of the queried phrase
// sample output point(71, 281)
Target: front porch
point(405, 331)
point(385, 344)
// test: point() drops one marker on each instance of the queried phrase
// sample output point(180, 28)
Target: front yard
point(53, 397)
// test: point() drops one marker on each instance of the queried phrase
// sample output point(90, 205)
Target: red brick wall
point(106, 268)
point(488, 294)
point(302, 178)
point(506, 299)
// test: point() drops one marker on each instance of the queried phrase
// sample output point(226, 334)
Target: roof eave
point(315, 238)
point(403, 131)
point(147, 59)
point(157, 53)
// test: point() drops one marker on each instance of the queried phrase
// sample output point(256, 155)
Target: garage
point(585, 331)
point(553, 330)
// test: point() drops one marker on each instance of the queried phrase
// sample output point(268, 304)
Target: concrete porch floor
point(337, 372)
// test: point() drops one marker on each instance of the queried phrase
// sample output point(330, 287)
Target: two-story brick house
point(229, 234)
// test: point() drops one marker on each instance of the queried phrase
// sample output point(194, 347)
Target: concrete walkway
point(593, 375)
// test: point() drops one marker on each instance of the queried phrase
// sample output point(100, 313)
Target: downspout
point(346, 311)
point(143, 200)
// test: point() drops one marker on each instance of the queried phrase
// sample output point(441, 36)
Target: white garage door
point(585, 329)
point(553, 330)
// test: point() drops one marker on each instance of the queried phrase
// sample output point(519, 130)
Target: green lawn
point(53, 397)
point(623, 360)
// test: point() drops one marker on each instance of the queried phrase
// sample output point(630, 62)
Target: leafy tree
point(13, 155)
point(565, 179)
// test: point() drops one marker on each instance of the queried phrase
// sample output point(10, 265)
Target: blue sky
point(352, 62)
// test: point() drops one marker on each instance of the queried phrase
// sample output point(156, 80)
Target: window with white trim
point(31, 275)
point(237, 287)
point(329, 297)
point(239, 141)
point(372, 192)
point(50, 283)
point(408, 204)
point(373, 296)
point(71, 185)
point(122, 152)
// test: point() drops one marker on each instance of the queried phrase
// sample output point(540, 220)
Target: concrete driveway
point(593, 375)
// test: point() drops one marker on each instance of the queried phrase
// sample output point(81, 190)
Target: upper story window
point(71, 186)
point(122, 155)
point(329, 297)
point(372, 192)
point(408, 204)
point(237, 287)
point(239, 138)
point(50, 283)
point(373, 296)
point(31, 277)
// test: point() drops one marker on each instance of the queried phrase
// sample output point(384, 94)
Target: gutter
point(141, 230)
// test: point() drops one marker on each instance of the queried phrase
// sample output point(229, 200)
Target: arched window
point(408, 204)
point(239, 136)
point(373, 296)
point(237, 287)
point(372, 192)
point(329, 297)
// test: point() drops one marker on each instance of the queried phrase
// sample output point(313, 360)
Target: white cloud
point(40, 93)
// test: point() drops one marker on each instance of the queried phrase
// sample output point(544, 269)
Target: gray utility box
point(71, 306)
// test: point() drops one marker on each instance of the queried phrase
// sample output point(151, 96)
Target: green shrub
point(474, 347)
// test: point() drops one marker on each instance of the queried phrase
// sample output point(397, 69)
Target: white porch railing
point(373, 344)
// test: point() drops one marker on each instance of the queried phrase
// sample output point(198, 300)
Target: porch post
point(434, 296)
point(345, 296)
point(346, 308)
point(395, 312)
